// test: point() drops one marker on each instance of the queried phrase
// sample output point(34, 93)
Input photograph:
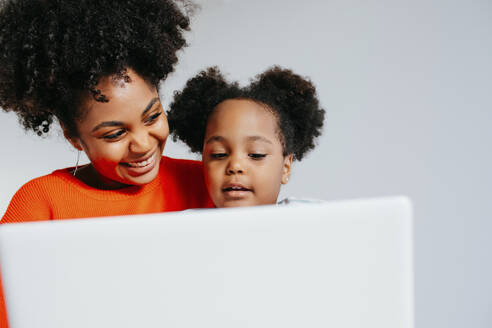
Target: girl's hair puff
point(291, 98)
point(191, 107)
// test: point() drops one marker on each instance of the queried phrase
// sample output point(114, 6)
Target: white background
point(408, 94)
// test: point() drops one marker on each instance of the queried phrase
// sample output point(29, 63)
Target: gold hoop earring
point(77, 164)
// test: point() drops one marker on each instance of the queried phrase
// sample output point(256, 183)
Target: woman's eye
point(153, 117)
point(256, 156)
point(115, 135)
point(218, 155)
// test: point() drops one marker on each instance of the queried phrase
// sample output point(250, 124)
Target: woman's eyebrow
point(107, 123)
point(149, 106)
point(118, 123)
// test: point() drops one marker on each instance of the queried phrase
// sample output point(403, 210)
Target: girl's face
point(243, 156)
point(123, 138)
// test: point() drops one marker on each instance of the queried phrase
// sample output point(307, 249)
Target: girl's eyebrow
point(118, 123)
point(249, 139)
point(259, 138)
point(214, 138)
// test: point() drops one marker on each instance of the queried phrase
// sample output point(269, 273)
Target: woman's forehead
point(125, 96)
point(123, 85)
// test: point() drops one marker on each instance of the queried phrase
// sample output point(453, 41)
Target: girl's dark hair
point(290, 97)
point(54, 52)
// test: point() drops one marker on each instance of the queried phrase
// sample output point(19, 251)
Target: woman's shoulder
point(31, 201)
point(181, 163)
point(184, 182)
point(51, 180)
point(186, 169)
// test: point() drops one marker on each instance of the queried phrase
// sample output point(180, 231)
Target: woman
point(95, 66)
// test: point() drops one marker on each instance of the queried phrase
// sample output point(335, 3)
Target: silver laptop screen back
point(338, 264)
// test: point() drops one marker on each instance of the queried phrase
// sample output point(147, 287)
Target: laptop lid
point(336, 264)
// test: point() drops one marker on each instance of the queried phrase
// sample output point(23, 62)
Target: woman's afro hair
point(290, 97)
point(53, 52)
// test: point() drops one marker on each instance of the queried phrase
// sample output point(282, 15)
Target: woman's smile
point(141, 167)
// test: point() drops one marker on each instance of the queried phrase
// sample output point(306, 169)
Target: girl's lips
point(235, 187)
point(236, 191)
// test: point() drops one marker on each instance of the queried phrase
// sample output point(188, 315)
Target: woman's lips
point(137, 168)
point(141, 163)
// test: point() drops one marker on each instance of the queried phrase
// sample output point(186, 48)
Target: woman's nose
point(140, 142)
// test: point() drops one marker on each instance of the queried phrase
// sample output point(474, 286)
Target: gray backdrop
point(407, 89)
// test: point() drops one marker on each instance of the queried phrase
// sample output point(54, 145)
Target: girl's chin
point(239, 203)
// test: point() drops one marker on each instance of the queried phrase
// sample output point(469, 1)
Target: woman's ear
point(74, 141)
point(286, 168)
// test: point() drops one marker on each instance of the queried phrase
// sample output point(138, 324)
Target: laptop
point(335, 264)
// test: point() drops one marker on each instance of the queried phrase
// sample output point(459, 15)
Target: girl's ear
point(74, 141)
point(286, 168)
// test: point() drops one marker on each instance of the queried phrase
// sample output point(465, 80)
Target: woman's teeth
point(142, 163)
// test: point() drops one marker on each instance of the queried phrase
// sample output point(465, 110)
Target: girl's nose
point(234, 171)
point(235, 166)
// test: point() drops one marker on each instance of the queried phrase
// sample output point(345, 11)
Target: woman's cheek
point(110, 153)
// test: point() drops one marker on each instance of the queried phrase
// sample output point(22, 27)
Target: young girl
point(248, 136)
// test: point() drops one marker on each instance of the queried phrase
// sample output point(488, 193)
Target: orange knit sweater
point(57, 196)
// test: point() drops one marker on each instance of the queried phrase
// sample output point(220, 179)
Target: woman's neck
point(88, 175)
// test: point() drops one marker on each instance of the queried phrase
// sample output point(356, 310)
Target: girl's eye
point(218, 155)
point(257, 156)
point(153, 117)
point(115, 135)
